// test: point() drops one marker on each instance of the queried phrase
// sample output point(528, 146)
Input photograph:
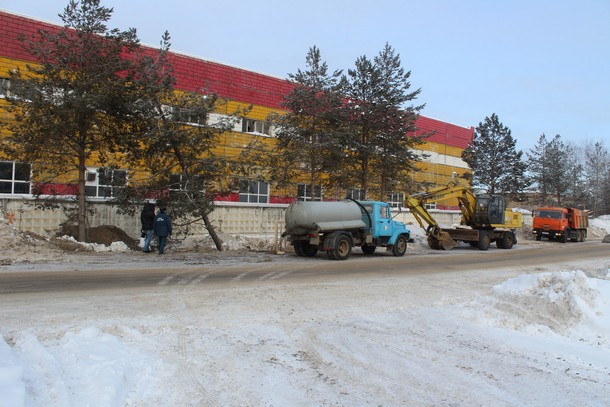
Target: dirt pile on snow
point(555, 300)
point(104, 235)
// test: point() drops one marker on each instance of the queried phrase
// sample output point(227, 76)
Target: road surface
point(93, 277)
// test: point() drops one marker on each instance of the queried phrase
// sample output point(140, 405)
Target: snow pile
point(89, 367)
point(565, 302)
point(522, 211)
point(16, 246)
point(12, 238)
point(115, 247)
point(602, 222)
point(229, 243)
point(600, 228)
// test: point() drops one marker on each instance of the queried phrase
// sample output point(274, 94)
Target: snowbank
point(567, 303)
point(83, 368)
point(115, 247)
point(118, 365)
point(601, 223)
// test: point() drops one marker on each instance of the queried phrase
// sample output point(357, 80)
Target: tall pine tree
point(307, 146)
point(495, 162)
point(551, 163)
point(597, 168)
point(379, 154)
point(78, 103)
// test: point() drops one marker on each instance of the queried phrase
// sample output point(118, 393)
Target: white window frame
point(304, 193)
point(94, 178)
point(14, 181)
point(253, 191)
point(252, 126)
point(354, 193)
point(176, 182)
point(5, 86)
point(396, 199)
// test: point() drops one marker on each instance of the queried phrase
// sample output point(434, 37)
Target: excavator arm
point(437, 238)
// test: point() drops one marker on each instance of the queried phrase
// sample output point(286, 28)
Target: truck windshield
point(547, 214)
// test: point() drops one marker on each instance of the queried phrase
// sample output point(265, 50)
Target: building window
point(255, 126)
point(4, 87)
point(103, 182)
point(354, 193)
point(189, 116)
point(308, 193)
point(14, 90)
point(396, 199)
point(253, 191)
point(14, 177)
point(430, 206)
point(178, 184)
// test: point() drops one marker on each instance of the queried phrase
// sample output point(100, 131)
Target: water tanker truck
point(336, 227)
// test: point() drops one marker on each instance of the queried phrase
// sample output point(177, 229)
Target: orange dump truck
point(560, 224)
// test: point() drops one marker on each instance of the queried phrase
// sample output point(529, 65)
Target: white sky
point(542, 66)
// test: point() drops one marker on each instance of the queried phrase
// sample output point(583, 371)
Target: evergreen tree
point(559, 167)
point(307, 136)
point(538, 169)
point(77, 103)
point(597, 167)
point(576, 194)
point(178, 150)
point(496, 164)
point(379, 154)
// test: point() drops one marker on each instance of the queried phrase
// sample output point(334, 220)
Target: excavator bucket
point(443, 241)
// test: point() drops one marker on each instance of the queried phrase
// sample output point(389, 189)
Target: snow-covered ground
point(514, 337)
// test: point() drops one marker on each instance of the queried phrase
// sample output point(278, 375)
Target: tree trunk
point(82, 201)
point(212, 231)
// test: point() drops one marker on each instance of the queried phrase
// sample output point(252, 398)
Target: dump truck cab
point(557, 223)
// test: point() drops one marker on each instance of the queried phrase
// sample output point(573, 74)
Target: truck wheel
point(400, 246)
point(484, 240)
point(500, 243)
point(368, 249)
point(538, 237)
point(298, 248)
point(506, 241)
point(564, 236)
point(309, 250)
point(343, 248)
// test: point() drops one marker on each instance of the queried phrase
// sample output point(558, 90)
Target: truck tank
point(303, 217)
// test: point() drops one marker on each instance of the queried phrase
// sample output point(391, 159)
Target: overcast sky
point(541, 66)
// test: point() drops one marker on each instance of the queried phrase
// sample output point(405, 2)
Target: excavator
point(484, 218)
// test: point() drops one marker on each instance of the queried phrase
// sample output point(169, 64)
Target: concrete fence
point(229, 218)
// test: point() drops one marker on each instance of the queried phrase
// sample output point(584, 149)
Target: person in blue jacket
point(162, 228)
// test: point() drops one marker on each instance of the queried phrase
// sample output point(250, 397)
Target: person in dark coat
point(148, 222)
point(162, 228)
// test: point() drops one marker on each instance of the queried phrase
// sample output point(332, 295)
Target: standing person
point(162, 228)
point(148, 222)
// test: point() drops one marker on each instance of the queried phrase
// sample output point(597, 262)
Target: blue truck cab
point(383, 230)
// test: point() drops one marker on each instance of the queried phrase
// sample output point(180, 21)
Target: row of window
point(247, 125)
point(103, 182)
